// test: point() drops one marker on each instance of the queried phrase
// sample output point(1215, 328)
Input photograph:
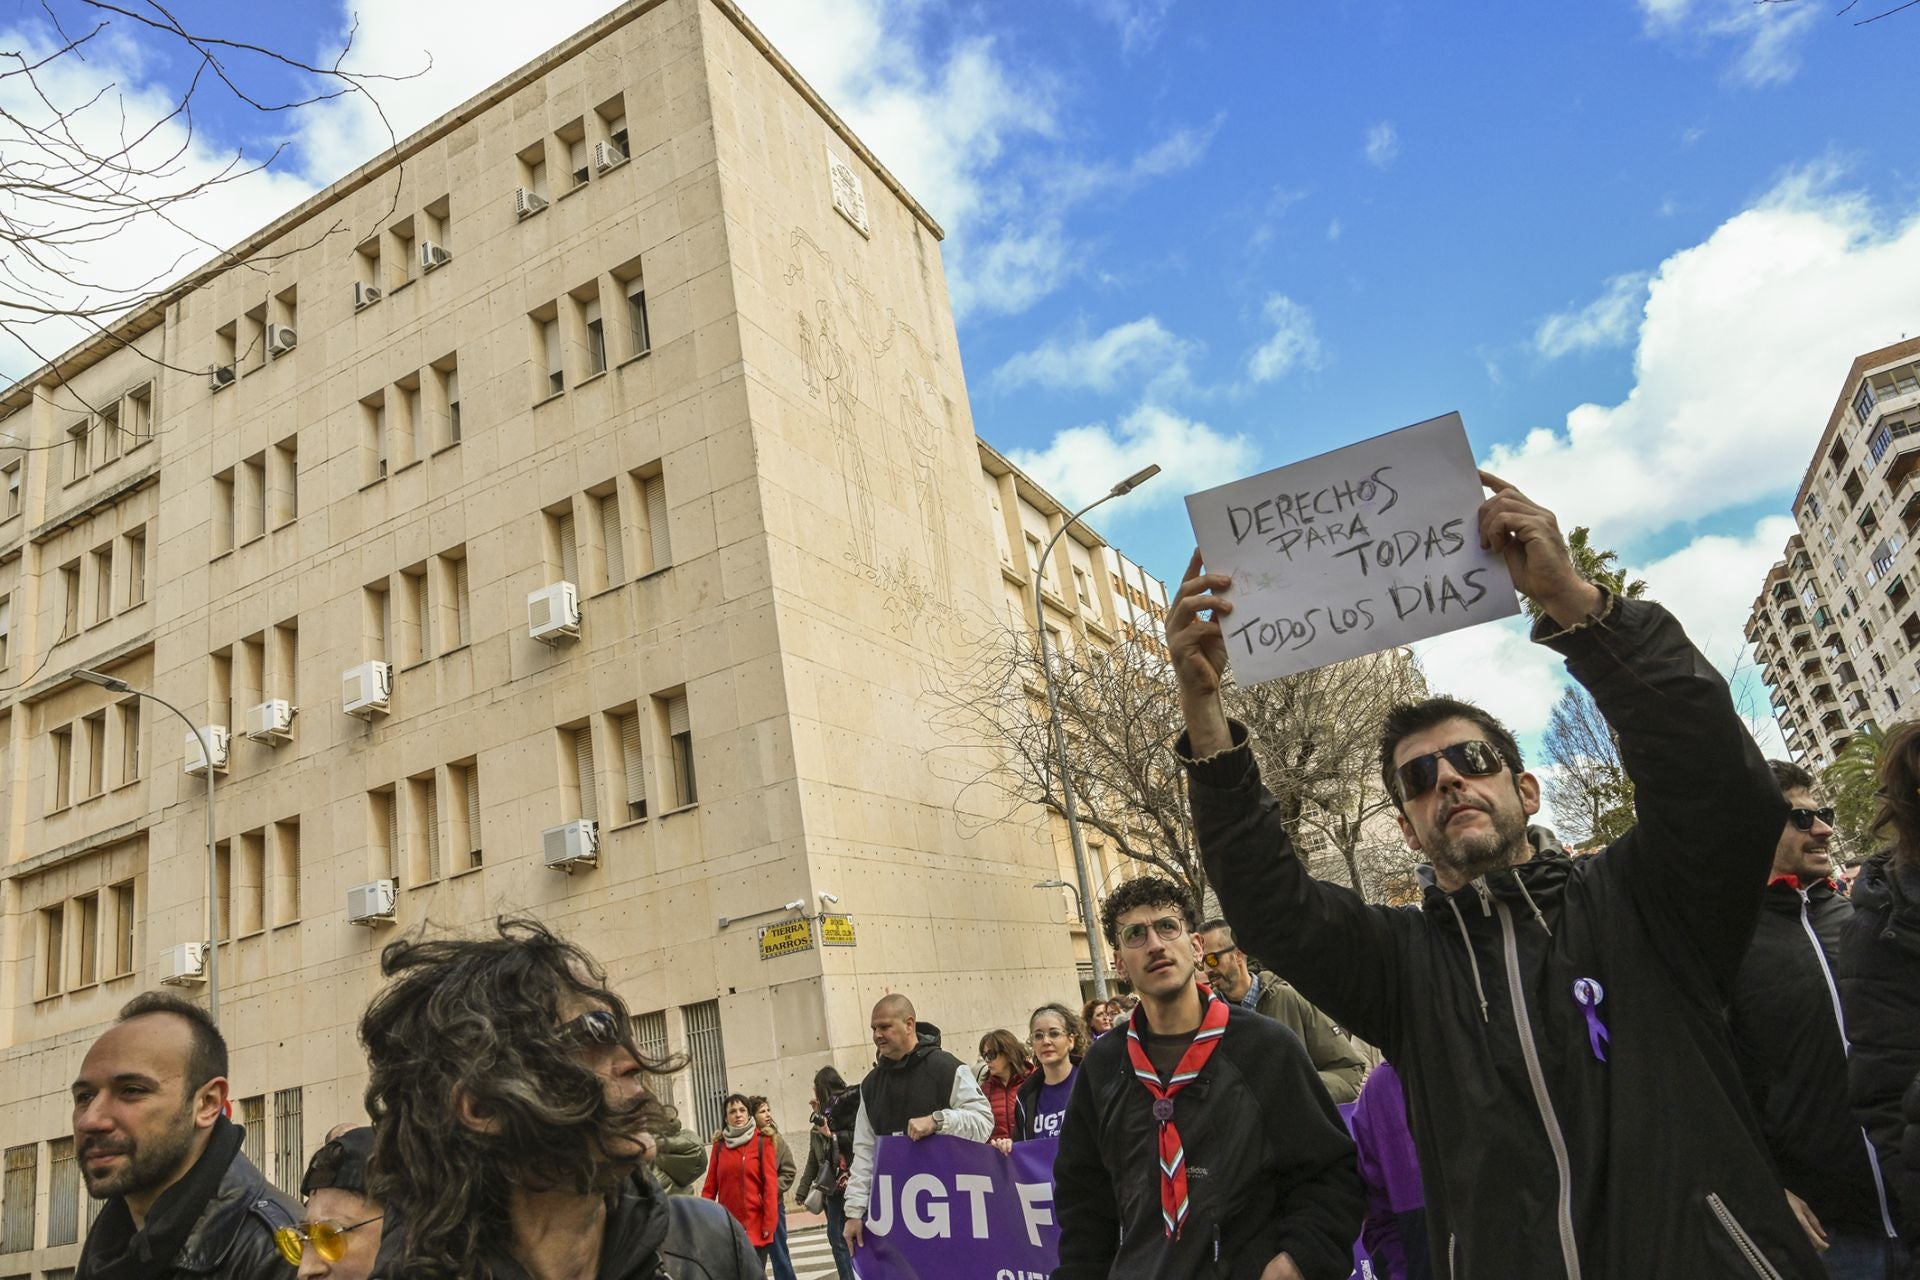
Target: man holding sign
point(1559, 1026)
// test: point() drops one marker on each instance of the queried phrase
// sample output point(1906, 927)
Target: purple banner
point(948, 1209)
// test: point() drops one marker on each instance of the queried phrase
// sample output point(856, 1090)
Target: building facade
point(1836, 627)
point(560, 514)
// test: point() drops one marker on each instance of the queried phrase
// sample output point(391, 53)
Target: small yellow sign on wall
point(786, 939)
point(836, 931)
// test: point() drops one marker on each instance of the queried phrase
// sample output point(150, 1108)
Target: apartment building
point(1836, 627)
point(560, 514)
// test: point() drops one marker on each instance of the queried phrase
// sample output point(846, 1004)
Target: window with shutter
point(610, 536)
point(462, 606)
point(660, 543)
point(392, 800)
point(633, 764)
point(583, 770)
point(569, 549)
point(472, 776)
point(430, 821)
point(680, 736)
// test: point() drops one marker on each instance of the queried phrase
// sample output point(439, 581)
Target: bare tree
point(1315, 736)
point(83, 162)
point(1592, 795)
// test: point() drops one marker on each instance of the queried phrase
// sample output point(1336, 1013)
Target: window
point(650, 1035)
point(403, 262)
point(639, 337)
point(87, 921)
point(223, 882)
point(463, 801)
point(106, 434)
point(423, 842)
point(373, 436)
point(17, 1192)
point(680, 743)
point(53, 950)
point(283, 483)
point(250, 885)
point(1881, 439)
point(129, 714)
point(253, 1121)
point(596, 336)
point(69, 599)
point(286, 872)
point(283, 671)
point(1033, 558)
point(285, 313)
point(434, 221)
point(706, 1064)
point(563, 549)
point(124, 920)
point(136, 557)
point(220, 688)
point(612, 115)
point(533, 169)
point(579, 745)
point(410, 629)
point(137, 417)
point(655, 533)
point(102, 583)
point(376, 621)
point(573, 140)
point(6, 631)
point(446, 388)
point(62, 768)
point(223, 512)
point(94, 727)
point(1863, 403)
point(383, 833)
point(455, 621)
point(77, 463)
point(627, 739)
point(63, 1194)
point(225, 350)
point(547, 349)
point(613, 553)
point(11, 472)
point(403, 423)
point(289, 1142)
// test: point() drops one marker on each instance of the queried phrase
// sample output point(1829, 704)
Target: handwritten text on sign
point(1352, 552)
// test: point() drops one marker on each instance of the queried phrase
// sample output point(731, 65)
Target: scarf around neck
point(738, 1137)
point(1173, 1158)
point(115, 1251)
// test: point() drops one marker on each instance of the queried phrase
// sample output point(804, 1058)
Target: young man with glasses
point(1559, 1026)
point(1340, 1065)
point(1792, 1036)
point(1198, 1140)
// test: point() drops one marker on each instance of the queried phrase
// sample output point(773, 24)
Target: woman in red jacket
point(744, 1175)
point(1007, 1066)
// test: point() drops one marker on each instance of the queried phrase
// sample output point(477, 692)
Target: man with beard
point(1792, 1036)
point(511, 1119)
point(153, 1141)
point(1559, 1026)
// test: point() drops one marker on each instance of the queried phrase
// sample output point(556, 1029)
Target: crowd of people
point(1688, 1055)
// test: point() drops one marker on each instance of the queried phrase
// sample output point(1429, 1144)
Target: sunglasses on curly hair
point(595, 1026)
point(1803, 819)
point(329, 1239)
point(1472, 759)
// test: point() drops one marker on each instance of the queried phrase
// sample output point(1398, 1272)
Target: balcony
point(1783, 590)
point(1801, 640)
point(1832, 722)
point(1897, 593)
point(1901, 460)
point(1847, 674)
point(1793, 616)
point(1910, 631)
point(1812, 666)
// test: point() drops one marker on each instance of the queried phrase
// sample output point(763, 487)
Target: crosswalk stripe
point(812, 1254)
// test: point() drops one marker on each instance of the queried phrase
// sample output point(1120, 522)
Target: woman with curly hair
point(743, 1174)
point(510, 1117)
point(1880, 981)
point(1007, 1067)
point(1097, 1018)
point(1059, 1042)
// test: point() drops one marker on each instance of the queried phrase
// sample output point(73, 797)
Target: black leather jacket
point(233, 1238)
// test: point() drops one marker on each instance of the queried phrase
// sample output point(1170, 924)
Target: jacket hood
point(1889, 891)
point(929, 1042)
point(1540, 881)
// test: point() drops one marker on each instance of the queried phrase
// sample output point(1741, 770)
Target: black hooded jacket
point(1540, 1159)
point(1786, 1022)
point(650, 1236)
point(898, 1089)
point(1880, 988)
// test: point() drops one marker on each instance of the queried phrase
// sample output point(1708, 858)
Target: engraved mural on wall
point(878, 382)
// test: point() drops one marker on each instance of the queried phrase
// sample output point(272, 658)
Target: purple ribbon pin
point(1588, 994)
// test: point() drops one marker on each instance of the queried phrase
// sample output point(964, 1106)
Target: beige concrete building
point(1836, 627)
point(562, 514)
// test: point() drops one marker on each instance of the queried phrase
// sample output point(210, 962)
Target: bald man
point(916, 1088)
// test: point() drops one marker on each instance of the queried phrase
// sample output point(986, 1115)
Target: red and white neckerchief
point(1173, 1160)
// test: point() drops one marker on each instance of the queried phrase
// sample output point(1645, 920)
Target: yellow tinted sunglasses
point(329, 1239)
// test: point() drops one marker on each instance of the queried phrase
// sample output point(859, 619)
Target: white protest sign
point(1352, 552)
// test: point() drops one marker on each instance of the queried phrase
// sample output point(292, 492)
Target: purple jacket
point(1394, 1230)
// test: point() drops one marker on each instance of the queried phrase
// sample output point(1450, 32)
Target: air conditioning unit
point(271, 722)
point(527, 202)
point(605, 156)
point(433, 255)
point(280, 339)
point(222, 376)
point(366, 691)
point(184, 965)
point(577, 844)
point(216, 735)
point(553, 613)
point(364, 294)
point(371, 903)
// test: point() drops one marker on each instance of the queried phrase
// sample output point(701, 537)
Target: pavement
point(807, 1246)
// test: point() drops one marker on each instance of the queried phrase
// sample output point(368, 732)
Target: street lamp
point(116, 685)
point(1062, 884)
point(1084, 894)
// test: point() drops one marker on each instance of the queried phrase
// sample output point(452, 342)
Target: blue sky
point(1633, 242)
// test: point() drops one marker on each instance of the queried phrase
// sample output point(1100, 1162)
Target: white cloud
point(1139, 22)
point(1334, 229)
point(1710, 584)
point(1383, 144)
point(1740, 352)
point(1607, 321)
point(1766, 37)
point(1101, 362)
point(1293, 345)
point(1498, 667)
point(1081, 463)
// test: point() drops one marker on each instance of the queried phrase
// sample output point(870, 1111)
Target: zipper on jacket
point(1846, 1050)
point(1555, 1138)
point(1451, 1241)
point(1741, 1240)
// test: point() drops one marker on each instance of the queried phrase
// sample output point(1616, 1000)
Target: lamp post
point(1084, 894)
point(1062, 884)
point(117, 685)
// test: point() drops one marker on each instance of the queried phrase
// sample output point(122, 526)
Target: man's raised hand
point(1198, 647)
point(1527, 536)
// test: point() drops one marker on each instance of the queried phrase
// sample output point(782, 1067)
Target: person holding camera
point(823, 1184)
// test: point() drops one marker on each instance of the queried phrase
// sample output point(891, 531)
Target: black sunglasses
point(1474, 759)
point(595, 1026)
point(1803, 819)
